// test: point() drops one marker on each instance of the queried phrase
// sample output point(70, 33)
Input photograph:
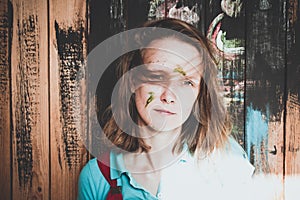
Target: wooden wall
point(43, 110)
point(43, 44)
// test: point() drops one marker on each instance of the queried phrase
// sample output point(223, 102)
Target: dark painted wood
point(39, 146)
point(29, 83)
point(292, 127)
point(5, 94)
point(227, 25)
point(68, 114)
point(265, 81)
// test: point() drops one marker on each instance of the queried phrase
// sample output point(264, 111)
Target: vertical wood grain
point(68, 47)
point(30, 100)
point(292, 161)
point(43, 109)
point(5, 142)
point(231, 59)
point(265, 66)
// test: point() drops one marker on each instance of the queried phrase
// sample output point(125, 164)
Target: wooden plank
point(202, 13)
point(227, 34)
point(292, 161)
point(213, 9)
point(136, 13)
point(68, 49)
point(5, 115)
point(30, 113)
point(292, 127)
point(265, 67)
point(100, 29)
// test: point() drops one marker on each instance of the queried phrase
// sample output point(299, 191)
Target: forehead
point(171, 53)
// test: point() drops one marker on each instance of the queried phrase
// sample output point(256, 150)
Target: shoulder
point(234, 148)
point(92, 184)
point(90, 168)
point(233, 162)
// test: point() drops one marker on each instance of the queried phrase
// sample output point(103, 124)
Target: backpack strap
point(115, 192)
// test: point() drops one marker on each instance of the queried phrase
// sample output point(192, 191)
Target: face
point(170, 85)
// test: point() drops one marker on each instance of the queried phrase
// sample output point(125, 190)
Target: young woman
point(168, 130)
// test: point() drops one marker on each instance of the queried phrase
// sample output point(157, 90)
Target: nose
point(167, 96)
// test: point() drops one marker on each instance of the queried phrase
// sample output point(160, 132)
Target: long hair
point(208, 125)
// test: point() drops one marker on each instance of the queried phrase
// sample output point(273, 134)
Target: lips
point(164, 112)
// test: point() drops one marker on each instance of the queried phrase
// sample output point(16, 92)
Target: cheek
point(187, 100)
point(144, 98)
point(145, 95)
point(187, 107)
point(140, 100)
point(187, 95)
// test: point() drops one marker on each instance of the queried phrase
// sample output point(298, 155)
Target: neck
point(160, 140)
point(159, 156)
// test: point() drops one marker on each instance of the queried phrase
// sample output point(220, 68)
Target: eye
point(156, 77)
point(188, 82)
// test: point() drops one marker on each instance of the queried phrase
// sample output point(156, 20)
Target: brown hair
point(207, 127)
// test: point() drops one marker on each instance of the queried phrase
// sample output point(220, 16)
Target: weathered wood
point(265, 66)
point(212, 9)
point(292, 148)
point(5, 142)
point(227, 26)
point(30, 113)
point(136, 12)
point(292, 161)
point(68, 49)
point(39, 146)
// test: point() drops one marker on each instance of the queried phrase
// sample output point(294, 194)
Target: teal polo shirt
point(93, 185)
point(220, 169)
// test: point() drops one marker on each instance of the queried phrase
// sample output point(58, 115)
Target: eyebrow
point(193, 73)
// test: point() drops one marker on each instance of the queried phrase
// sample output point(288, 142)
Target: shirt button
point(160, 196)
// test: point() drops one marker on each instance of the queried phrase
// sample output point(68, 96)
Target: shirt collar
point(186, 155)
point(117, 165)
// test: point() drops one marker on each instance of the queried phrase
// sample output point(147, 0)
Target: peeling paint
point(266, 58)
point(70, 50)
point(293, 49)
point(257, 135)
point(5, 96)
point(27, 90)
point(5, 55)
point(4, 62)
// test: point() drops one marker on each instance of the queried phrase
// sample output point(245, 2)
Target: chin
point(165, 127)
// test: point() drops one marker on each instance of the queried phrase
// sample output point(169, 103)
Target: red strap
point(115, 192)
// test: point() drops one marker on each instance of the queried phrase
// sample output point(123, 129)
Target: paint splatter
point(5, 96)
point(180, 70)
point(257, 136)
point(27, 89)
point(5, 55)
point(70, 50)
point(150, 99)
point(266, 60)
